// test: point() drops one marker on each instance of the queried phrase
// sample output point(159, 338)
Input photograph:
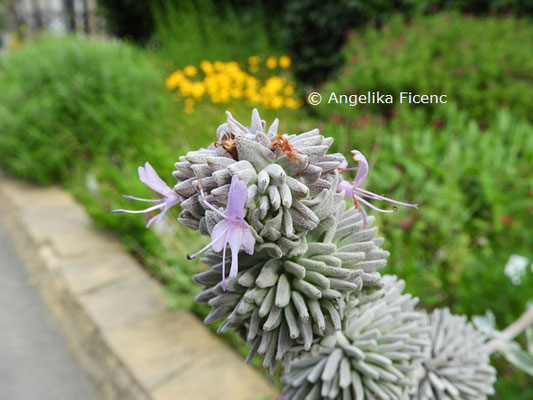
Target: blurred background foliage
point(85, 113)
point(312, 31)
point(479, 62)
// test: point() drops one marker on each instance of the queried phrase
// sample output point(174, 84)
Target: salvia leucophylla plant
point(302, 284)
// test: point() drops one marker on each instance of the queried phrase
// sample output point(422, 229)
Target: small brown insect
point(227, 141)
point(281, 143)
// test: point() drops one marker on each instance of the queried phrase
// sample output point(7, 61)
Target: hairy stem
point(513, 330)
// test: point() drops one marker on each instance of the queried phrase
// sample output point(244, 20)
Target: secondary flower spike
point(357, 194)
point(232, 229)
point(170, 198)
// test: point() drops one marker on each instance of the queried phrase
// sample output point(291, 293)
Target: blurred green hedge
point(70, 99)
point(482, 64)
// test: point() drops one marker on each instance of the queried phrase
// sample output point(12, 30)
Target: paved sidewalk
point(35, 362)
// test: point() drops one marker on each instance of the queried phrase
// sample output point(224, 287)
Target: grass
point(188, 32)
point(471, 179)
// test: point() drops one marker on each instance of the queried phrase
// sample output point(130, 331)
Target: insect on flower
point(228, 143)
point(357, 194)
point(232, 229)
point(170, 198)
point(282, 144)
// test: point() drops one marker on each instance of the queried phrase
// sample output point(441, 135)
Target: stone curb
point(112, 313)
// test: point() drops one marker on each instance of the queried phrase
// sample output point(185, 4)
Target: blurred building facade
point(27, 18)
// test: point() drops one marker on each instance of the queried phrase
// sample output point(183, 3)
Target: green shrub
point(67, 100)
point(473, 189)
point(479, 63)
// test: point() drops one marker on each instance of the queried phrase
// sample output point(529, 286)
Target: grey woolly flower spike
point(277, 304)
point(457, 363)
point(290, 179)
point(374, 356)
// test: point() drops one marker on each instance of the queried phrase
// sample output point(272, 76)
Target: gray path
point(35, 362)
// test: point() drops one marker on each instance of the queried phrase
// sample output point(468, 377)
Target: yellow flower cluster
point(222, 82)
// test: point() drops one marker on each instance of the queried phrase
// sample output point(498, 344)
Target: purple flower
point(149, 177)
point(232, 229)
point(357, 194)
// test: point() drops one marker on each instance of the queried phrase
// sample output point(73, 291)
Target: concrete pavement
point(35, 362)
